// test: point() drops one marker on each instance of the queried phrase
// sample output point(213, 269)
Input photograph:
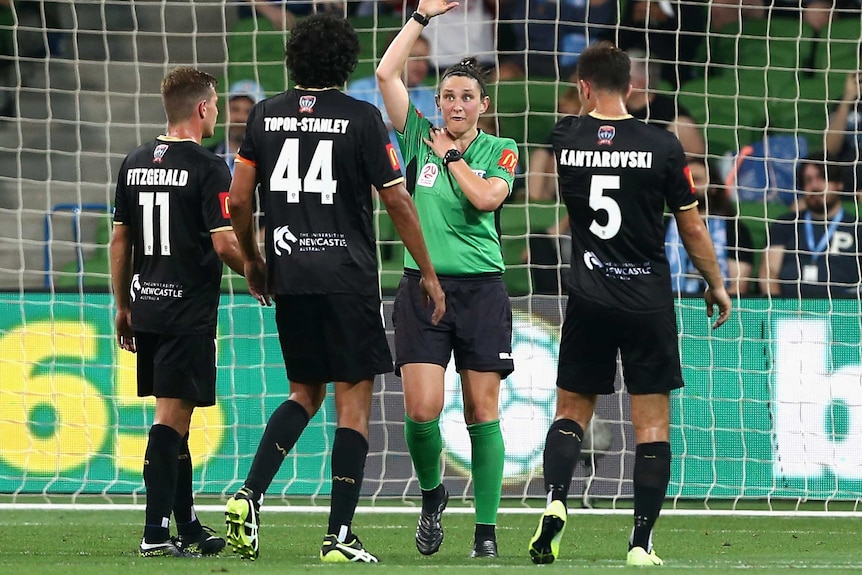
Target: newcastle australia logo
point(285, 241)
point(153, 291)
point(280, 238)
point(617, 270)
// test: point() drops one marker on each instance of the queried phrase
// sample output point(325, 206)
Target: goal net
point(771, 409)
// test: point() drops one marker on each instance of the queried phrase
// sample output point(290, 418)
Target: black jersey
point(317, 154)
point(615, 178)
point(173, 194)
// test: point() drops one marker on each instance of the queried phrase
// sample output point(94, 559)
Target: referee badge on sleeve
point(428, 175)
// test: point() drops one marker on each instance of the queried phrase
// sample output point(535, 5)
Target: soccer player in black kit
point(171, 230)
point(316, 153)
point(616, 175)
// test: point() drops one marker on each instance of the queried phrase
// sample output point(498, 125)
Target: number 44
point(318, 178)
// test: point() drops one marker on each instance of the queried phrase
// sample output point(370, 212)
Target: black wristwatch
point(421, 18)
point(452, 155)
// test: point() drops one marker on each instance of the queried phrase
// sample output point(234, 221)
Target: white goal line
point(412, 510)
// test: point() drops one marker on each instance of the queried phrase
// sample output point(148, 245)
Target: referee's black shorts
point(334, 337)
point(177, 366)
point(477, 325)
point(647, 344)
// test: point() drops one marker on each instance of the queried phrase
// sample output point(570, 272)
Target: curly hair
point(468, 67)
point(322, 51)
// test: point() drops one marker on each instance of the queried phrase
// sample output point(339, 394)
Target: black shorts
point(177, 366)
point(477, 325)
point(336, 337)
point(647, 343)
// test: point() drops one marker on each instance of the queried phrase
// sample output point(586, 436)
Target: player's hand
point(440, 141)
point(431, 8)
point(433, 294)
point(717, 297)
point(255, 277)
point(125, 335)
point(853, 87)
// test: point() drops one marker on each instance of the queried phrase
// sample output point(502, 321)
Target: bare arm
point(390, 70)
point(837, 129)
point(541, 178)
point(227, 248)
point(389, 74)
point(739, 274)
point(121, 279)
point(401, 209)
point(277, 13)
point(698, 246)
point(241, 194)
point(689, 136)
point(770, 270)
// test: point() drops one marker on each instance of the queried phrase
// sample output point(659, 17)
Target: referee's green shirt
point(461, 239)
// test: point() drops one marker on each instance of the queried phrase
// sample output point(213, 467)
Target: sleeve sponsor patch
point(687, 171)
point(393, 157)
point(508, 161)
point(224, 202)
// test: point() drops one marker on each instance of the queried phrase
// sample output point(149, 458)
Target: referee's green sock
point(488, 457)
point(425, 445)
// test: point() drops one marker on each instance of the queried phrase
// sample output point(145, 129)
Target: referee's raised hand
point(431, 8)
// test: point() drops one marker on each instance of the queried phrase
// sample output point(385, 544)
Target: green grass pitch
point(105, 542)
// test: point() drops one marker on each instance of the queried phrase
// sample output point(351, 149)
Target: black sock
point(431, 499)
point(184, 500)
point(348, 468)
point(562, 450)
point(283, 429)
point(651, 476)
point(484, 532)
point(160, 480)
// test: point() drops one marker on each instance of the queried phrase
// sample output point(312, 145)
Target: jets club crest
point(606, 135)
point(306, 104)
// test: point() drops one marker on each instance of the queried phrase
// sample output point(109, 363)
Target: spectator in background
point(646, 104)
point(814, 253)
point(669, 31)
point(470, 30)
point(550, 34)
point(730, 238)
point(725, 12)
point(283, 13)
point(844, 133)
point(549, 250)
point(241, 98)
point(415, 73)
point(542, 170)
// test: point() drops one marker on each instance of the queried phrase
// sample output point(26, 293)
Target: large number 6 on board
point(599, 201)
point(318, 178)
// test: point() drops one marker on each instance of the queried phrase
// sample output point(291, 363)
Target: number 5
point(599, 202)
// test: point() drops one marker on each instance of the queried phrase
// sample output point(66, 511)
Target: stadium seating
point(373, 33)
point(730, 106)
point(774, 43)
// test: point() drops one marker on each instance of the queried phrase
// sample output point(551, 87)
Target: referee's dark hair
point(183, 88)
point(606, 67)
point(322, 51)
